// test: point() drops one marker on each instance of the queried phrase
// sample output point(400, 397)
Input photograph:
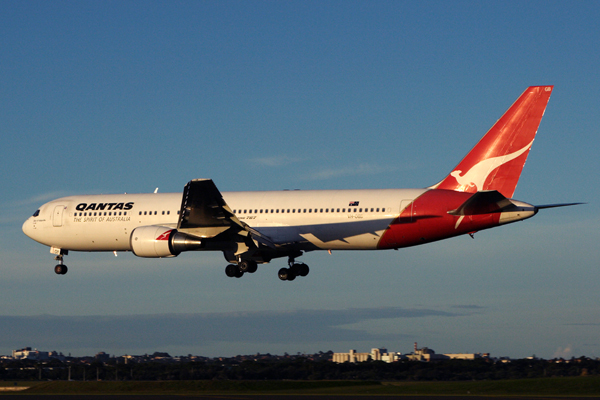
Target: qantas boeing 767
point(252, 228)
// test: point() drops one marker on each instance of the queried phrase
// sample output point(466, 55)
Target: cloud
point(42, 198)
point(468, 307)
point(361, 169)
point(130, 334)
point(566, 352)
point(19, 210)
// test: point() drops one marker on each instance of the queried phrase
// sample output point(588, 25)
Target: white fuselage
point(329, 219)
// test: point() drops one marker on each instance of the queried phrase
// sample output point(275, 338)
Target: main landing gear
point(289, 274)
point(249, 266)
point(60, 268)
point(239, 269)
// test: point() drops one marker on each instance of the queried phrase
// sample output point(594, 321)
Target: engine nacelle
point(156, 241)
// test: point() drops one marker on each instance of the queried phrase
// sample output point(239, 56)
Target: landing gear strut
point(294, 270)
point(60, 268)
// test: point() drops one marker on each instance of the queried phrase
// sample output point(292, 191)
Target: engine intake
point(158, 241)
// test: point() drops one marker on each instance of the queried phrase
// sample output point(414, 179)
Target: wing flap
point(205, 214)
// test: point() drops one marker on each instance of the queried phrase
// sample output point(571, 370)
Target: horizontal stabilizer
point(486, 202)
point(556, 205)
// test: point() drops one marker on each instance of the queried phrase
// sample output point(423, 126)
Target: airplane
point(252, 228)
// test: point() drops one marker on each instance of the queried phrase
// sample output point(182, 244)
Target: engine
point(156, 241)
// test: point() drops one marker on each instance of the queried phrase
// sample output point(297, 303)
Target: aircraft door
point(406, 211)
point(57, 216)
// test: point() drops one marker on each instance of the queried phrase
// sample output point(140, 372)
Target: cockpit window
point(36, 213)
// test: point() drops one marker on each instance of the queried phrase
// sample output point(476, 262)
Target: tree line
point(297, 369)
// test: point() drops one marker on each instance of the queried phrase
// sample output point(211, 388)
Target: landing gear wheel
point(248, 266)
point(61, 269)
point(283, 274)
point(303, 270)
point(286, 274)
point(239, 273)
point(231, 270)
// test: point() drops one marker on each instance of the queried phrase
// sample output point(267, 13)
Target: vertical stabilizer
point(496, 162)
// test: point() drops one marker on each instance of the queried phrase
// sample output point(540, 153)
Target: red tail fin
point(496, 162)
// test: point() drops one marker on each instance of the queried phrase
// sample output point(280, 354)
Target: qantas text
point(104, 206)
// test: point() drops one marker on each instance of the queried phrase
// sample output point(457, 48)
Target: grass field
point(576, 386)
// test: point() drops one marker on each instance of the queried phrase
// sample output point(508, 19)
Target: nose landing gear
point(60, 268)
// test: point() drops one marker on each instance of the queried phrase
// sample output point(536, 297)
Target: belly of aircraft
point(355, 235)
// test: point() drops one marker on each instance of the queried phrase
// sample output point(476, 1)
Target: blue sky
point(112, 97)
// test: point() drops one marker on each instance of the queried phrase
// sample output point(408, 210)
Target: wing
point(205, 214)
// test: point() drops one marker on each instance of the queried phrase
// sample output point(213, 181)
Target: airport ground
point(587, 387)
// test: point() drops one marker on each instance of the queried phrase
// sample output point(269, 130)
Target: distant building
point(424, 354)
point(27, 353)
point(427, 354)
point(374, 355)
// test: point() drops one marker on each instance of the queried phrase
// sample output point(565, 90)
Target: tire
point(303, 269)
point(283, 274)
point(238, 272)
point(244, 266)
point(253, 267)
point(231, 270)
point(60, 269)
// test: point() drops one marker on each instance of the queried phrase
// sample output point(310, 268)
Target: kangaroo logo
point(474, 179)
point(164, 236)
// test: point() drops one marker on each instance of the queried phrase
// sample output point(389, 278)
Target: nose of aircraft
point(28, 227)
